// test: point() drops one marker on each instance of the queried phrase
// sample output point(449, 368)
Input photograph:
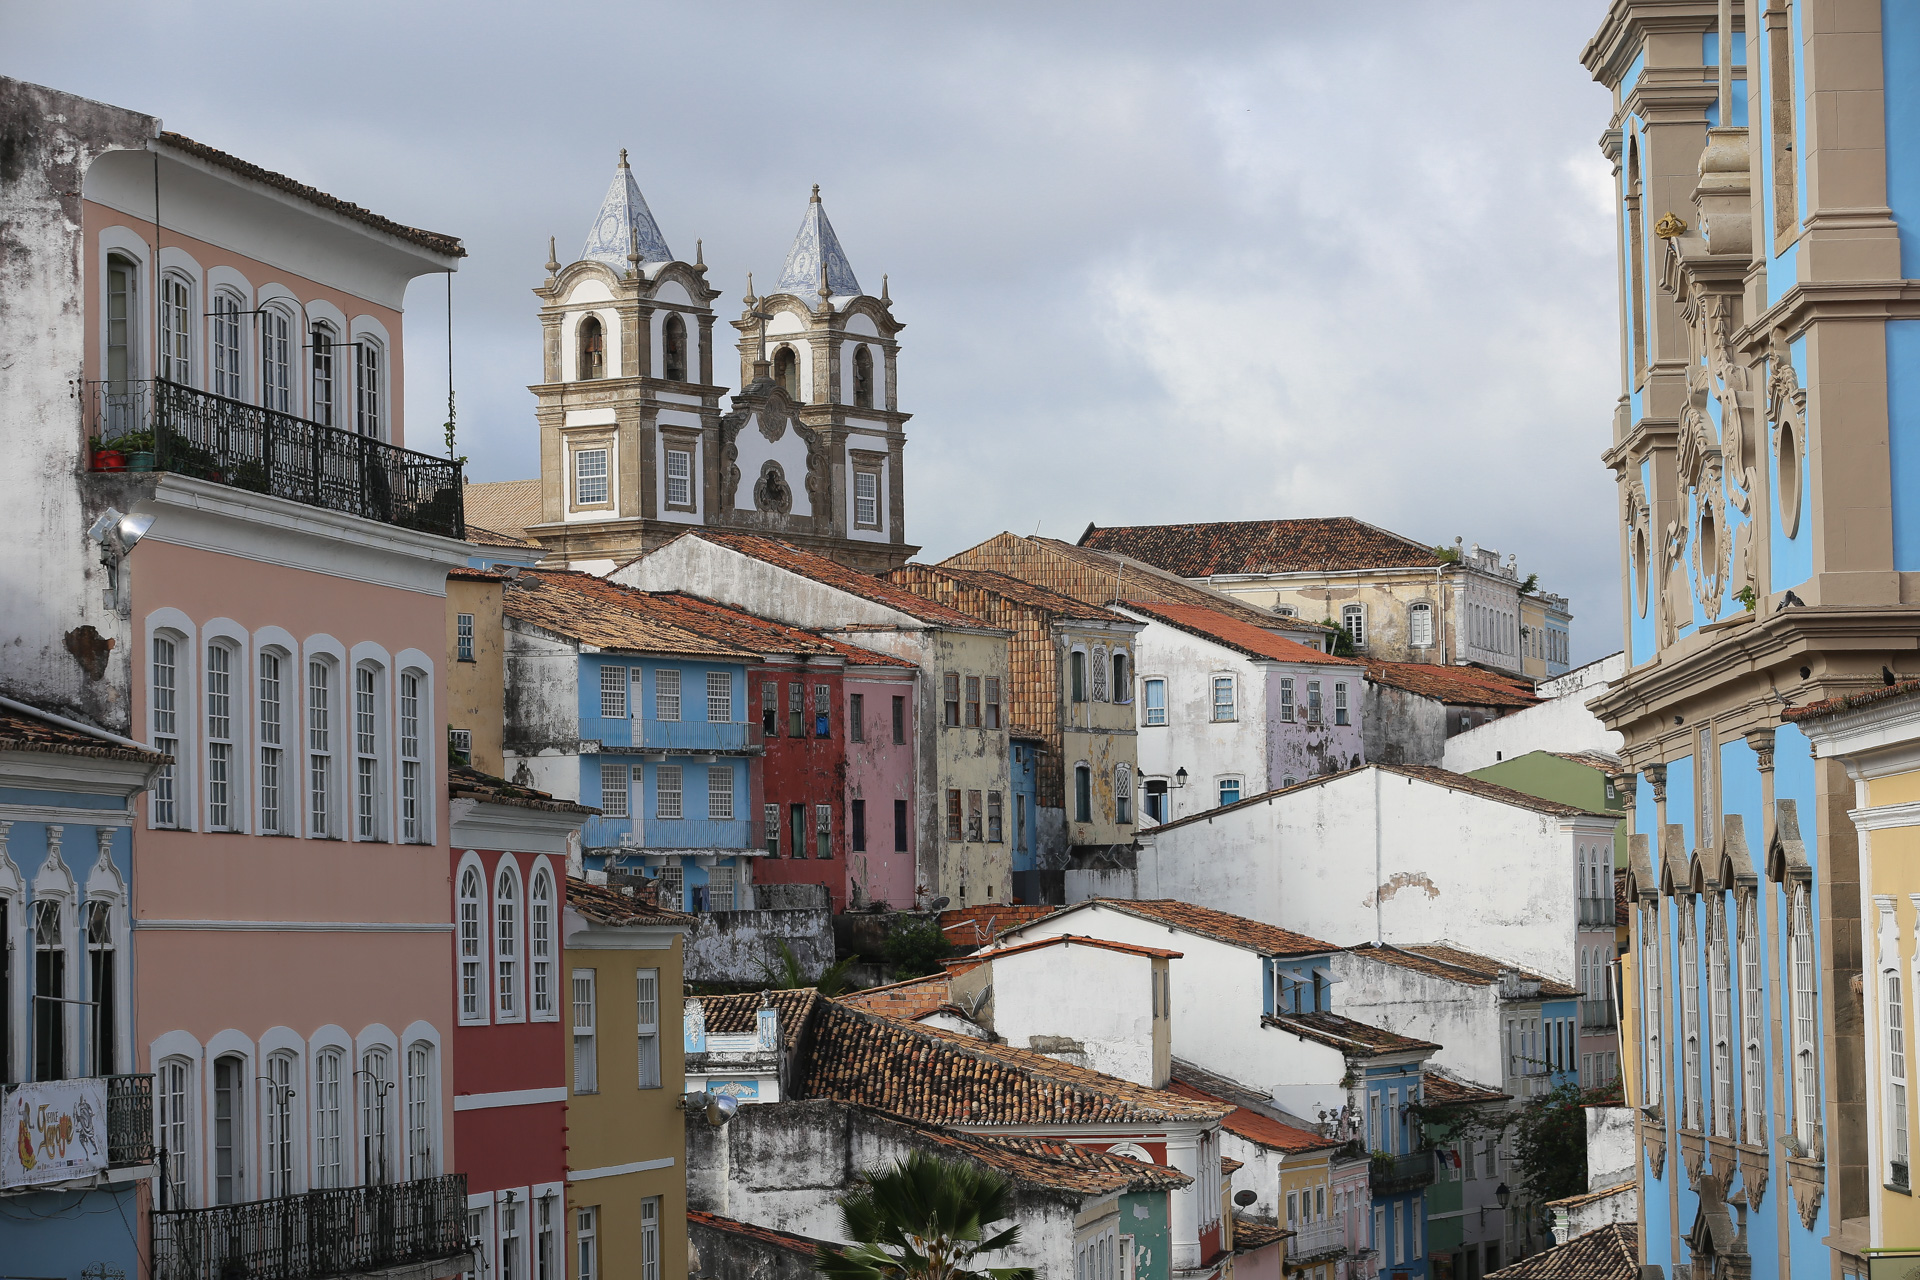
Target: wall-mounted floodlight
point(719, 1107)
point(119, 532)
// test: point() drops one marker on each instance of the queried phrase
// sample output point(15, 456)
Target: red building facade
point(510, 1034)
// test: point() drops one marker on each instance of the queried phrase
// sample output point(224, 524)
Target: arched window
point(506, 942)
point(863, 378)
point(368, 809)
point(370, 400)
point(49, 991)
point(786, 371)
point(321, 405)
point(1806, 1048)
point(1122, 683)
point(279, 1090)
point(222, 804)
point(1122, 794)
point(1077, 665)
point(231, 1079)
point(1420, 625)
point(1720, 1017)
point(413, 813)
point(102, 988)
point(420, 1163)
point(163, 709)
point(229, 375)
point(328, 1118)
point(123, 318)
point(322, 698)
point(172, 1095)
point(276, 360)
point(1100, 673)
point(593, 349)
point(376, 1114)
point(1353, 618)
point(673, 349)
point(1082, 793)
point(1753, 1088)
point(472, 964)
point(540, 943)
point(275, 810)
point(1651, 1014)
point(1689, 1019)
point(176, 346)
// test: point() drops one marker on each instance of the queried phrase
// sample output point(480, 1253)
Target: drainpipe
point(1379, 881)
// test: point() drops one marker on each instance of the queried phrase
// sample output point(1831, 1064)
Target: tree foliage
point(916, 949)
point(924, 1219)
point(1550, 1141)
point(790, 974)
point(1342, 642)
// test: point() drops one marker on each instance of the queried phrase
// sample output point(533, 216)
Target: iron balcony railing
point(175, 428)
point(1596, 1015)
point(129, 1120)
point(1315, 1242)
point(316, 1235)
point(1597, 913)
point(1390, 1174)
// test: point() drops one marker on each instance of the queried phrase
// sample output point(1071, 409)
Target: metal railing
point(1389, 1174)
point(196, 433)
point(1318, 1241)
point(129, 1120)
point(315, 1235)
point(1596, 1015)
point(1597, 913)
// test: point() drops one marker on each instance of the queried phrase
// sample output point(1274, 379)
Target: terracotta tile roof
point(504, 506)
point(817, 567)
point(1590, 1197)
point(433, 241)
point(1139, 1175)
point(1205, 922)
point(1249, 1235)
point(738, 1014)
point(1263, 546)
point(1849, 702)
point(603, 904)
point(1443, 1092)
point(467, 783)
point(938, 1077)
point(1439, 777)
point(492, 537)
point(1229, 1166)
point(975, 926)
point(1610, 1253)
point(1238, 635)
point(1258, 1129)
point(465, 574)
point(597, 612)
point(23, 728)
point(909, 1000)
point(1011, 588)
point(1356, 1039)
point(1068, 939)
point(1455, 686)
point(1438, 960)
point(1604, 761)
point(806, 1246)
point(762, 635)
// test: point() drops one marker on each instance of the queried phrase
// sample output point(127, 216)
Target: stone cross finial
point(623, 157)
point(816, 194)
point(553, 255)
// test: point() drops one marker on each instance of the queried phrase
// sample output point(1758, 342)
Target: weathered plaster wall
point(1402, 727)
point(542, 714)
point(1191, 739)
point(740, 946)
point(476, 688)
point(1463, 1020)
point(1039, 1002)
point(879, 772)
point(1299, 750)
point(1559, 724)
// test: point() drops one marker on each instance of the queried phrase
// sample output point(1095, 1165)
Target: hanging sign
point(54, 1131)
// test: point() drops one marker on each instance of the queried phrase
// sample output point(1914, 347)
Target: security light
point(720, 1108)
point(119, 532)
point(1180, 778)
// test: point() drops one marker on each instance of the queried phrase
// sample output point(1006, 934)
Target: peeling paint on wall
point(1397, 882)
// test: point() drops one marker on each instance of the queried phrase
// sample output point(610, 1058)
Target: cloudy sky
point(1157, 262)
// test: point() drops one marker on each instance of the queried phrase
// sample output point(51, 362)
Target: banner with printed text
point(55, 1131)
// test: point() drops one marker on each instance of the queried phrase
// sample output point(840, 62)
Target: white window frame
point(1652, 1015)
point(228, 344)
point(719, 697)
point(176, 326)
point(415, 798)
point(472, 943)
point(1098, 661)
point(1691, 1115)
point(662, 775)
point(615, 788)
point(646, 1015)
point(678, 473)
point(1220, 790)
point(1419, 625)
point(1803, 1020)
point(323, 374)
point(1122, 795)
point(420, 1110)
point(1353, 621)
point(866, 500)
point(508, 901)
point(369, 783)
point(1228, 711)
point(720, 804)
point(276, 808)
point(613, 693)
point(280, 1115)
point(369, 386)
point(279, 357)
point(1720, 1019)
point(1287, 704)
point(1153, 715)
point(593, 476)
point(320, 777)
point(169, 801)
point(585, 1034)
point(1341, 712)
point(666, 693)
point(223, 684)
point(331, 1116)
point(1316, 710)
point(173, 1111)
point(543, 921)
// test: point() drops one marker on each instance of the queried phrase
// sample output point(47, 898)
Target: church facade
point(635, 444)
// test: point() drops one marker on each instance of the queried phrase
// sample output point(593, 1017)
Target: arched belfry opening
point(593, 349)
point(863, 378)
point(786, 371)
point(673, 343)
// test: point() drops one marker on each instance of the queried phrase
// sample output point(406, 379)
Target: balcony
point(129, 1111)
point(1596, 1015)
point(345, 1232)
point(1317, 1242)
point(163, 426)
point(1390, 1174)
point(1597, 913)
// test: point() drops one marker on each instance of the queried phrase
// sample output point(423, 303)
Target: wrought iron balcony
point(1596, 1015)
point(344, 1232)
point(1317, 1242)
point(129, 1120)
point(1390, 1174)
point(164, 426)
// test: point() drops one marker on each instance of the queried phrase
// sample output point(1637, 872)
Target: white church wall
point(753, 450)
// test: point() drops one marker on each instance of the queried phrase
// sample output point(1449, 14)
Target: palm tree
point(924, 1219)
point(790, 974)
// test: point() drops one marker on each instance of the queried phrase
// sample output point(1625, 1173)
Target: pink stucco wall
point(880, 771)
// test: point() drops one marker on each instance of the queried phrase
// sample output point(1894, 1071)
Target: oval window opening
point(1640, 570)
point(1789, 480)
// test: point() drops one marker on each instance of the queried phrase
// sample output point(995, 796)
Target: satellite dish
point(1245, 1198)
point(939, 904)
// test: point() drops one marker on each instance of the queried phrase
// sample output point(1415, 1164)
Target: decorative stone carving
point(1761, 740)
point(1787, 418)
point(771, 493)
point(1640, 542)
point(1754, 1170)
point(1675, 592)
point(1656, 775)
point(1654, 1138)
point(1806, 1183)
point(1693, 1156)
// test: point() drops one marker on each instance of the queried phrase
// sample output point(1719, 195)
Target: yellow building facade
point(476, 674)
point(626, 1176)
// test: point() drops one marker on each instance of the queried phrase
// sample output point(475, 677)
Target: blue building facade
point(1023, 780)
point(76, 1120)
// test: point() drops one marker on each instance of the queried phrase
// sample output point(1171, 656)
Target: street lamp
point(1180, 778)
point(1502, 1194)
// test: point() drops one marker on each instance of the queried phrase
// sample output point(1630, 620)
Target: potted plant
point(108, 458)
point(137, 447)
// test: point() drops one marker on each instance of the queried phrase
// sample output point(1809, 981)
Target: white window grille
point(1720, 1017)
point(1752, 1065)
point(646, 984)
point(370, 402)
point(1122, 795)
point(463, 637)
point(165, 687)
point(1340, 702)
point(1689, 1023)
point(540, 942)
point(679, 478)
point(720, 791)
point(1806, 1049)
point(586, 1077)
point(228, 380)
point(420, 1162)
point(321, 406)
point(1896, 1037)
point(366, 758)
point(1315, 713)
point(671, 887)
point(271, 817)
point(1100, 674)
point(1286, 699)
point(720, 888)
point(328, 1153)
point(823, 826)
point(471, 963)
point(172, 1097)
point(376, 1135)
point(719, 697)
point(613, 693)
point(1353, 619)
point(1223, 698)
point(666, 803)
point(276, 360)
point(176, 350)
point(587, 1245)
point(1155, 692)
point(666, 694)
point(650, 1238)
point(589, 477)
point(279, 1127)
point(220, 815)
point(866, 499)
point(770, 815)
point(613, 789)
point(412, 819)
point(1651, 1013)
point(1420, 626)
point(506, 943)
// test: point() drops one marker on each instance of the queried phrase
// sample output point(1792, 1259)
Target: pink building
point(262, 598)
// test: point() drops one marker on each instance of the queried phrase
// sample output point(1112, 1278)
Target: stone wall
point(733, 946)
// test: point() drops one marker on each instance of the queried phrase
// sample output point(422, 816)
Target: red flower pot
point(109, 460)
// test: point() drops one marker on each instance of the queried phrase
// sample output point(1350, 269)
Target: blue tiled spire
point(623, 214)
point(815, 244)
